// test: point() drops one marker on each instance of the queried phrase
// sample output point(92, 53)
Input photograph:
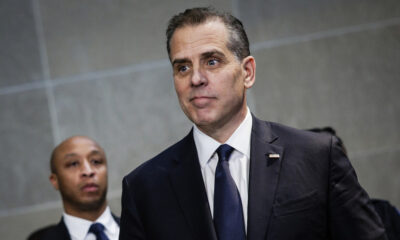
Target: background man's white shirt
point(78, 228)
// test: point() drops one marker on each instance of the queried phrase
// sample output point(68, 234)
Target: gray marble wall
point(100, 68)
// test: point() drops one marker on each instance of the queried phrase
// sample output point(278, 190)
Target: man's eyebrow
point(212, 53)
point(203, 55)
point(180, 60)
point(68, 155)
point(95, 152)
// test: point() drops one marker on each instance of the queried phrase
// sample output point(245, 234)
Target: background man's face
point(209, 80)
point(81, 174)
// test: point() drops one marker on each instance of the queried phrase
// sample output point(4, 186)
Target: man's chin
point(203, 120)
point(87, 202)
point(91, 204)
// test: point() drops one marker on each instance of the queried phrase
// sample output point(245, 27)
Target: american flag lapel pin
point(273, 155)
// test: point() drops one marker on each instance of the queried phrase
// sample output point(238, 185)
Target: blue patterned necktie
point(98, 230)
point(228, 213)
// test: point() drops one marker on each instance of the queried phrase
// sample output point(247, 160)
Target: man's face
point(209, 80)
point(81, 174)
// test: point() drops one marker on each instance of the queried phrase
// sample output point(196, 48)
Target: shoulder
point(289, 136)
point(298, 135)
point(38, 234)
point(55, 231)
point(161, 163)
point(301, 142)
point(308, 145)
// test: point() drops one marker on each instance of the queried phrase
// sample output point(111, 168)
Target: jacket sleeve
point(131, 225)
point(351, 213)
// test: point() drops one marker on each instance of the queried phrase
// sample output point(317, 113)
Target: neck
point(223, 132)
point(90, 215)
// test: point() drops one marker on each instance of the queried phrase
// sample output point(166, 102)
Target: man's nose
point(87, 169)
point(198, 77)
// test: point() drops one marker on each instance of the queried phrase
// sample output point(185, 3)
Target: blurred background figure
point(390, 216)
point(79, 172)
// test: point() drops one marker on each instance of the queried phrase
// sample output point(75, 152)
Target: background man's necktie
point(228, 213)
point(98, 230)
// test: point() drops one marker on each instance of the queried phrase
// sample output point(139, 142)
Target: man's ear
point(249, 68)
point(54, 181)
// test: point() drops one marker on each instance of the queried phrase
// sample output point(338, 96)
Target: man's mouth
point(90, 187)
point(201, 101)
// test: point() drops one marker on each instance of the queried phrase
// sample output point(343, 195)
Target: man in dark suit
point(235, 176)
point(79, 171)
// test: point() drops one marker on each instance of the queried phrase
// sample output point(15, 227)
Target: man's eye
point(183, 68)
point(212, 62)
point(96, 161)
point(73, 164)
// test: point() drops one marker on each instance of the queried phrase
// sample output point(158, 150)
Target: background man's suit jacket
point(310, 192)
point(56, 232)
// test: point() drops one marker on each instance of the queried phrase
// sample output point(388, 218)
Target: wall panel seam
point(46, 72)
point(157, 64)
point(324, 34)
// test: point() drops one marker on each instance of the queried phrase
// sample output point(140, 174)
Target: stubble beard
point(85, 206)
point(221, 121)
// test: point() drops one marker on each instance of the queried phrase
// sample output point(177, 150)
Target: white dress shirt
point(78, 228)
point(239, 160)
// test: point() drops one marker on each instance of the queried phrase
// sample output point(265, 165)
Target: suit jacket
point(56, 232)
point(390, 217)
point(310, 192)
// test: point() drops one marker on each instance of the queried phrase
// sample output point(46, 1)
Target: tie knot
point(224, 152)
point(96, 228)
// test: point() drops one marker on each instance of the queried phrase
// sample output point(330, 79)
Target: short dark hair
point(238, 42)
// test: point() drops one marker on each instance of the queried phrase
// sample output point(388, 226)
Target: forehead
point(78, 146)
point(191, 40)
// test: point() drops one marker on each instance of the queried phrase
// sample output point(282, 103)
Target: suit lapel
point(59, 232)
point(116, 219)
point(188, 184)
point(264, 173)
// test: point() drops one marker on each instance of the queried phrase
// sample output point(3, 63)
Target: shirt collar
point(239, 140)
point(79, 227)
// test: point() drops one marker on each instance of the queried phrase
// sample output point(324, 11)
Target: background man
point(79, 172)
point(235, 176)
